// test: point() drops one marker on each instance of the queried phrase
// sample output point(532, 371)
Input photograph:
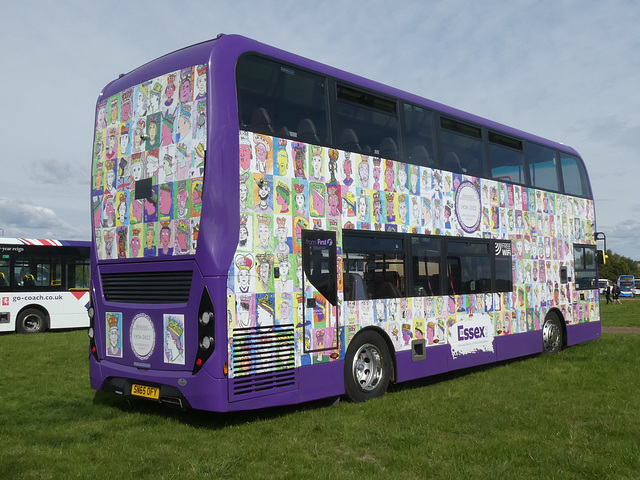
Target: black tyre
point(31, 320)
point(367, 367)
point(552, 334)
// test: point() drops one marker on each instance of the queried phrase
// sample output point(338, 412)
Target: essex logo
point(471, 336)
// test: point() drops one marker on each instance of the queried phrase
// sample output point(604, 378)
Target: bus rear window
point(366, 123)
point(461, 147)
point(278, 99)
point(574, 176)
point(506, 159)
point(542, 167)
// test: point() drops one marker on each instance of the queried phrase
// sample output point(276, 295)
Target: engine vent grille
point(262, 349)
point(261, 384)
point(147, 287)
point(262, 359)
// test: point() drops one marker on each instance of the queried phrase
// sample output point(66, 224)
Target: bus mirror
point(601, 257)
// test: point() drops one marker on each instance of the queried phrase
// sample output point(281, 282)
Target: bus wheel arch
point(369, 365)
point(32, 319)
point(554, 332)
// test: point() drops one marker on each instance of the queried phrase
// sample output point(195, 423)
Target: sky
point(567, 70)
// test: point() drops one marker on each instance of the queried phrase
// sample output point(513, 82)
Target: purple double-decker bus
point(268, 230)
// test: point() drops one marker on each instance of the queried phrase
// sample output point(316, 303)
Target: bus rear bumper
point(179, 389)
point(205, 392)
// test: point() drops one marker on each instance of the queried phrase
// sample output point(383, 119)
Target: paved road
point(621, 330)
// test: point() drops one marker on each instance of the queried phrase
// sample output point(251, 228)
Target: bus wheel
point(367, 367)
point(31, 320)
point(552, 336)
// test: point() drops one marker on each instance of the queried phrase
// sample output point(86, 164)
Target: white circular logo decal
point(142, 336)
point(468, 208)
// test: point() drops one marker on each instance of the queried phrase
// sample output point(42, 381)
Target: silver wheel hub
point(367, 367)
point(551, 336)
point(32, 322)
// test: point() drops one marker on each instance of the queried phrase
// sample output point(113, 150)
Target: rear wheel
point(552, 334)
point(31, 320)
point(367, 368)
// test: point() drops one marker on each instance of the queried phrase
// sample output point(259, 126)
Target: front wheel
point(367, 367)
point(552, 334)
point(31, 320)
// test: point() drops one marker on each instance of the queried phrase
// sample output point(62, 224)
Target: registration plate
point(145, 391)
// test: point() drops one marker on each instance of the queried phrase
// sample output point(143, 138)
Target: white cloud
point(19, 219)
point(59, 172)
point(622, 237)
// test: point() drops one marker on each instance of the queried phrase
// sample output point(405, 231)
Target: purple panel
point(314, 382)
point(471, 360)
point(321, 381)
point(436, 362)
point(518, 345)
point(583, 332)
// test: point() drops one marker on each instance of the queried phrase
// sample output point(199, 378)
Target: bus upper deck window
point(282, 100)
point(461, 147)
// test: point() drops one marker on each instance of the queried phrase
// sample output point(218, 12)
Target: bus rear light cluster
point(206, 343)
point(93, 349)
point(206, 317)
point(206, 331)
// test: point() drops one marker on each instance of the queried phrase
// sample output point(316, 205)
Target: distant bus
point(636, 290)
point(269, 230)
point(603, 283)
point(44, 284)
point(626, 284)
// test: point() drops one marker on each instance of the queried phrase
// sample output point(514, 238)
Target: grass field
point(574, 415)
point(625, 315)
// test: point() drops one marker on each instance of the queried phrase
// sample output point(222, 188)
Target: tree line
point(617, 265)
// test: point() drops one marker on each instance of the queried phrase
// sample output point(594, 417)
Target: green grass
point(573, 415)
point(625, 315)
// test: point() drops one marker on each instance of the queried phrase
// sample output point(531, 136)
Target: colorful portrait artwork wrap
point(174, 339)
point(287, 186)
point(148, 166)
point(114, 334)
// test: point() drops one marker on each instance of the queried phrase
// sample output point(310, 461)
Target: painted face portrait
point(166, 202)
point(182, 240)
point(363, 171)
point(245, 156)
point(282, 161)
point(98, 180)
point(111, 179)
point(389, 177)
point(201, 84)
point(114, 337)
point(152, 165)
point(185, 91)
point(135, 246)
point(183, 197)
point(165, 237)
point(136, 171)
